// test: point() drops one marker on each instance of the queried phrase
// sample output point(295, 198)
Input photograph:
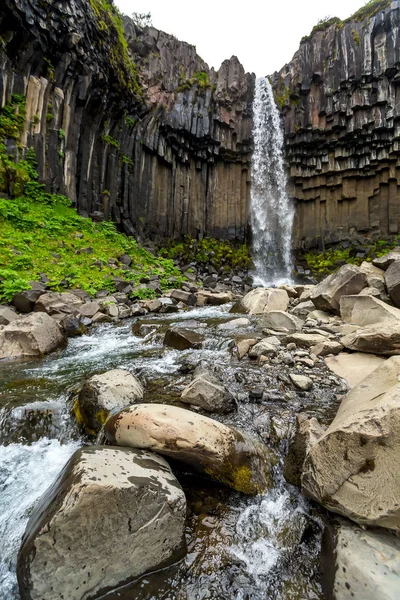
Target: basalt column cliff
point(129, 122)
point(340, 98)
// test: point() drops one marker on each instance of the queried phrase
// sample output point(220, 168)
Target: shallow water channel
point(246, 548)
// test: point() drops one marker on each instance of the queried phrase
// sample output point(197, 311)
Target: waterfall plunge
point(271, 209)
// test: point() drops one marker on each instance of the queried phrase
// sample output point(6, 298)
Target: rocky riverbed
point(268, 367)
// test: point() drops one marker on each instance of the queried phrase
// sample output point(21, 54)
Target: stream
point(246, 548)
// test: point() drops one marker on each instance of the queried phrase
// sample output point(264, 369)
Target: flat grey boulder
point(349, 280)
point(221, 452)
point(186, 297)
point(234, 324)
point(280, 320)
point(384, 262)
point(367, 310)
point(303, 309)
point(182, 339)
point(392, 280)
point(262, 300)
point(32, 335)
point(89, 309)
point(56, 303)
point(381, 338)
point(263, 348)
point(102, 394)
point(353, 367)
point(204, 297)
point(304, 340)
point(206, 391)
point(358, 564)
point(353, 467)
point(111, 515)
point(326, 348)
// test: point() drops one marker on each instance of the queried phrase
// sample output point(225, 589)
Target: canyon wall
point(162, 147)
point(340, 101)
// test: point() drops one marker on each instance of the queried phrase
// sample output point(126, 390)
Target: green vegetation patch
point(324, 263)
point(220, 254)
point(369, 10)
point(109, 22)
point(200, 78)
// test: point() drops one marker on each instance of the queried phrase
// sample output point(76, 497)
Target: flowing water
point(238, 547)
point(271, 209)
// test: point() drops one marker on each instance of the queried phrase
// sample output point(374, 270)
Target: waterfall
point(271, 209)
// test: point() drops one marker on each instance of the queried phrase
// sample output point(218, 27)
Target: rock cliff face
point(163, 150)
point(340, 99)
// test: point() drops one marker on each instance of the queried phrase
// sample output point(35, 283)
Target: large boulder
point(206, 392)
point(375, 277)
point(381, 338)
point(24, 301)
point(353, 468)
point(58, 303)
point(32, 335)
point(204, 297)
point(353, 367)
point(281, 321)
point(367, 310)
point(392, 280)
point(105, 393)
point(182, 339)
point(347, 281)
point(304, 340)
point(358, 564)
point(384, 262)
point(111, 515)
point(262, 300)
point(208, 446)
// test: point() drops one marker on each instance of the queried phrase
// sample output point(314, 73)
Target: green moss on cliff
point(109, 23)
point(201, 78)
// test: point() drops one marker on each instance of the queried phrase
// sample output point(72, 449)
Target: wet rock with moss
point(221, 452)
point(105, 393)
point(128, 513)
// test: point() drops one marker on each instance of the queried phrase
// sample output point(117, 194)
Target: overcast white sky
point(263, 34)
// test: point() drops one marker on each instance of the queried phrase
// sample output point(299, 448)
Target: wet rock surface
point(128, 513)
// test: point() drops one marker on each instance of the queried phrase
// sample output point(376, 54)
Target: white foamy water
point(271, 209)
point(25, 473)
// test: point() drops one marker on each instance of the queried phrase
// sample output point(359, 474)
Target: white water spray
point(271, 209)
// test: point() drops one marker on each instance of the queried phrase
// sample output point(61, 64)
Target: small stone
point(302, 382)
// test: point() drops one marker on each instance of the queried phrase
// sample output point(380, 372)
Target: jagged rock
point(105, 393)
point(185, 297)
point(304, 340)
point(302, 382)
point(182, 339)
point(101, 318)
point(381, 338)
point(307, 433)
point(7, 315)
point(359, 564)
point(367, 310)
point(349, 280)
point(392, 280)
point(206, 392)
point(213, 298)
point(371, 291)
point(24, 302)
point(234, 324)
point(153, 306)
point(280, 320)
point(89, 309)
point(320, 315)
point(262, 348)
point(58, 303)
point(111, 515)
point(32, 335)
point(326, 348)
point(262, 300)
point(384, 262)
point(375, 277)
point(353, 367)
point(303, 310)
point(208, 446)
point(243, 346)
point(353, 468)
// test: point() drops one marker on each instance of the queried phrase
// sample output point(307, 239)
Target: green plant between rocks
point(219, 253)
